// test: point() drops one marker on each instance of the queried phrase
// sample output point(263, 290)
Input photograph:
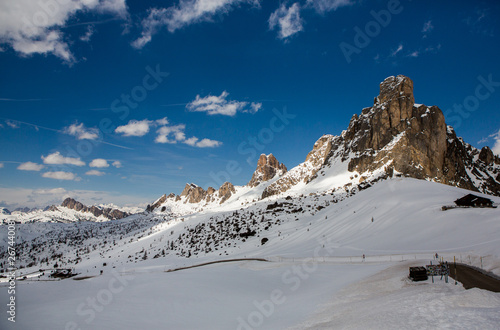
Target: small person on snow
point(363, 257)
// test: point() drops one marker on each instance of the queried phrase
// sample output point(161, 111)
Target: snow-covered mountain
point(69, 211)
point(394, 137)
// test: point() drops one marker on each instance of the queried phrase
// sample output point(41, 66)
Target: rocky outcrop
point(157, 203)
point(51, 208)
point(412, 138)
point(226, 191)
point(267, 168)
point(109, 213)
point(399, 136)
point(193, 193)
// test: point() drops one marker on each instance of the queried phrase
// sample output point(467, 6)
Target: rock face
point(196, 194)
point(157, 203)
point(399, 136)
point(226, 191)
point(193, 193)
point(413, 138)
point(267, 168)
point(112, 214)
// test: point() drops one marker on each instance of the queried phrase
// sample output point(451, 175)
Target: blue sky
point(122, 101)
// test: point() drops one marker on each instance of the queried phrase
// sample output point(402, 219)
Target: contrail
point(173, 104)
point(23, 100)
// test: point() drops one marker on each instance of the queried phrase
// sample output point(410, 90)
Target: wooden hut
point(471, 200)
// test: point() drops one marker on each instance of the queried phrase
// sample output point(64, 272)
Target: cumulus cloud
point(35, 27)
point(171, 134)
point(99, 163)
point(29, 166)
point(187, 12)
point(57, 159)
point(288, 20)
point(162, 122)
point(134, 128)
point(61, 175)
point(117, 164)
point(323, 6)
point(167, 133)
point(219, 105)
point(81, 132)
point(95, 173)
point(204, 143)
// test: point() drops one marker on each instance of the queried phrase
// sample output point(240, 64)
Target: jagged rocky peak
point(226, 191)
point(187, 188)
point(109, 213)
point(196, 194)
point(397, 135)
point(395, 129)
point(267, 168)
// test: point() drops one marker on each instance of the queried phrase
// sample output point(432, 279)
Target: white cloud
point(170, 134)
point(323, 6)
point(99, 163)
point(57, 159)
point(219, 105)
point(12, 124)
point(1, 165)
point(53, 191)
point(117, 164)
point(207, 143)
point(29, 166)
point(287, 19)
point(187, 12)
point(60, 175)
point(176, 132)
point(21, 197)
point(81, 132)
point(88, 34)
point(496, 146)
point(428, 27)
point(414, 54)
point(35, 27)
point(395, 52)
point(162, 122)
point(135, 128)
point(191, 141)
point(95, 173)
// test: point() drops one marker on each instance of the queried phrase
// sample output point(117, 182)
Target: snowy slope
point(315, 264)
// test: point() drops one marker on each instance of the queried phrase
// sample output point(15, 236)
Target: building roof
point(471, 199)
